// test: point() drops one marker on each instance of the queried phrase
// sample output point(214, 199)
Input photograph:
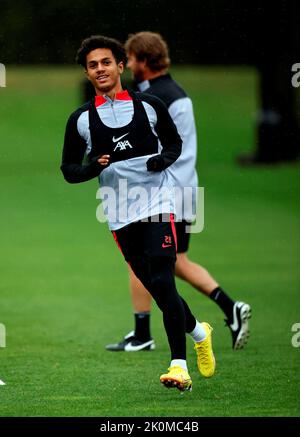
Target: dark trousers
point(155, 268)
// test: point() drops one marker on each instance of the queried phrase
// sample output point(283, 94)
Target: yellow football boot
point(205, 357)
point(177, 377)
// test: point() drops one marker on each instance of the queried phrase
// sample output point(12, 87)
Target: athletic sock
point(223, 300)
point(181, 363)
point(198, 334)
point(142, 326)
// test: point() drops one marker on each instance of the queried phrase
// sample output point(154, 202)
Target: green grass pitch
point(64, 286)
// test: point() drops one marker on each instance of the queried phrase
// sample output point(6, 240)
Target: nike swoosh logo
point(130, 334)
point(165, 245)
point(130, 348)
point(118, 139)
point(234, 326)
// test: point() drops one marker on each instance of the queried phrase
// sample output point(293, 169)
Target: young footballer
point(131, 137)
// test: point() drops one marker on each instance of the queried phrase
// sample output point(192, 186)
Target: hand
point(104, 160)
point(155, 163)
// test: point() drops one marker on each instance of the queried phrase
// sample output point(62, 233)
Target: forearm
point(171, 154)
point(76, 173)
point(166, 158)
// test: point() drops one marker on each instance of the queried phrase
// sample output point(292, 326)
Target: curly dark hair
point(100, 42)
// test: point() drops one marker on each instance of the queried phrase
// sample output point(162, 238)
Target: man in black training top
point(131, 137)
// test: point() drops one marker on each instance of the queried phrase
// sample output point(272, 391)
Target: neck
point(149, 74)
point(110, 93)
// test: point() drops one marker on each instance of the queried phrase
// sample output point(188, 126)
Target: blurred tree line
point(257, 32)
point(204, 32)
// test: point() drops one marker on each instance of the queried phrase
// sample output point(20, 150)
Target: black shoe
point(238, 325)
point(131, 344)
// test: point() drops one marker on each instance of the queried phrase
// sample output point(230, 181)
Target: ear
point(86, 74)
point(120, 67)
point(142, 64)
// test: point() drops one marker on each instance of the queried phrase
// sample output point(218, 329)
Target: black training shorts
point(147, 239)
point(183, 237)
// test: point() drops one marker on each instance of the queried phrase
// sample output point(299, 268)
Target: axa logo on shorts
point(121, 145)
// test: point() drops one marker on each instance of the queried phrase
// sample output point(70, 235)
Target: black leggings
point(157, 275)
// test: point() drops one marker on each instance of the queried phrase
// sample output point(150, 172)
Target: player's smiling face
point(103, 71)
